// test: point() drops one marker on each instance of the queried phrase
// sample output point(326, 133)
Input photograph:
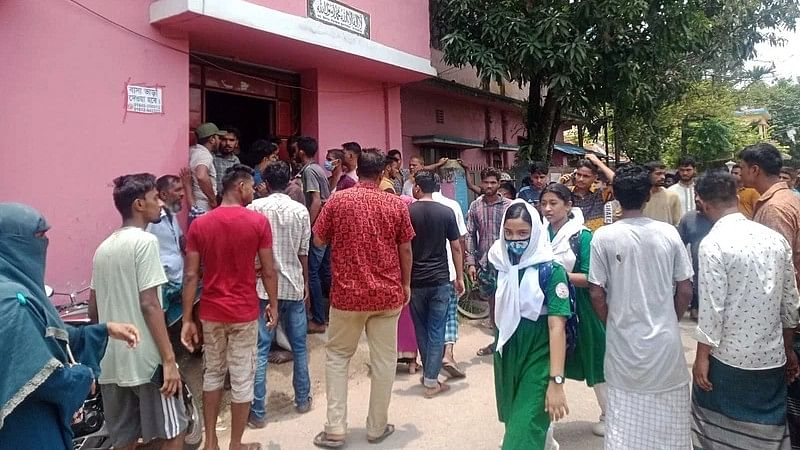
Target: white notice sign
point(145, 99)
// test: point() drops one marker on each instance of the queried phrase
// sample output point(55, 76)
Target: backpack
point(571, 327)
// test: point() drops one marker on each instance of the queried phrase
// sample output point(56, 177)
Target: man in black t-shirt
point(435, 225)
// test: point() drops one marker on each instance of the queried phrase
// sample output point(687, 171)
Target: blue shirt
point(169, 235)
point(530, 195)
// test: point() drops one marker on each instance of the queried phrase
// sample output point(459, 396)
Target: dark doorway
point(253, 116)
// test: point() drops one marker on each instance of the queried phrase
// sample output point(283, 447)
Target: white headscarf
point(560, 243)
point(510, 306)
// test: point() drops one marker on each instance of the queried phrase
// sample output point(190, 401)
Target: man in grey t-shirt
point(317, 191)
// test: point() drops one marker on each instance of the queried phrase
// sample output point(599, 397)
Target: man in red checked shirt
point(370, 234)
point(227, 241)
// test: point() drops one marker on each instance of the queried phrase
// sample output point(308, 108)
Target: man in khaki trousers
point(370, 234)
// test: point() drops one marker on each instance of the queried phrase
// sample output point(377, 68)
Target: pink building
point(99, 88)
point(272, 67)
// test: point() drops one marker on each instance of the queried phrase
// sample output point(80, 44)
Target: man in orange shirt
point(777, 208)
point(747, 196)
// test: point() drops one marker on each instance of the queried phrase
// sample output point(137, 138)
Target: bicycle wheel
point(469, 304)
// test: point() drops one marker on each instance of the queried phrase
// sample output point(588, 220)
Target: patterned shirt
point(483, 228)
point(747, 293)
point(222, 163)
point(779, 209)
point(592, 207)
point(291, 236)
point(364, 226)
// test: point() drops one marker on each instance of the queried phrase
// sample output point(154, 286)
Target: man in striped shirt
point(484, 219)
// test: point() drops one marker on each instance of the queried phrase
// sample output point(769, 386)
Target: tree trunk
point(542, 125)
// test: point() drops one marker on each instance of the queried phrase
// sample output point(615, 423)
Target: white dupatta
point(562, 251)
point(514, 299)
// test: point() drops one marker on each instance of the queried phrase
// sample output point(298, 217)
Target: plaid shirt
point(222, 163)
point(483, 228)
point(291, 231)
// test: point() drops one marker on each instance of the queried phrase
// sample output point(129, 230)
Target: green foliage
point(635, 56)
point(782, 100)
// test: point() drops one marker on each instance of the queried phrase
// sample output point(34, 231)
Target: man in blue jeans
point(317, 191)
point(292, 233)
point(435, 225)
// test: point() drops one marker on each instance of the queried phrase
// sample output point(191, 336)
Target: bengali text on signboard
point(145, 99)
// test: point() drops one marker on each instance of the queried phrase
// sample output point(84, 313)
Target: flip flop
point(443, 387)
point(486, 351)
point(321, 440)
point(386, 433)
point(453, 370)
point(250, 446)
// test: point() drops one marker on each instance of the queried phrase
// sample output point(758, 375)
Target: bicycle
point(470, 305)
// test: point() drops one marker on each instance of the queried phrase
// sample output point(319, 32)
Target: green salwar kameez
point(586, 361)
point(522, 374)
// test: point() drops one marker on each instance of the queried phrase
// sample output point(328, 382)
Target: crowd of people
point(587, 279)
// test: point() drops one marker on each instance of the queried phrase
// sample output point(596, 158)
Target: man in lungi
point(748, 312)
point(636, 261)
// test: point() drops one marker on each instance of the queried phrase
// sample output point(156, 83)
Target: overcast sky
point(786, 58)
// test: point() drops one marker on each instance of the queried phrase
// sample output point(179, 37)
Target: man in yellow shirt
point(663, 205)
point(747, 196)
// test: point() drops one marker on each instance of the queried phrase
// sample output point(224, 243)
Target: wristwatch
point(558, 379)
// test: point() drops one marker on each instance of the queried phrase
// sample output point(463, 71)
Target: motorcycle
point(89, 430)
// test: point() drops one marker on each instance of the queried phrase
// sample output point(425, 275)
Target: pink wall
point(462, 118)
point(350, 109)
point(403, 25)
point(62, 115)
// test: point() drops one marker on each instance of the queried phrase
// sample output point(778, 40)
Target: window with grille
point(439, 116)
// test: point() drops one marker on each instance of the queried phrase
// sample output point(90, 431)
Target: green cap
point(207, 129)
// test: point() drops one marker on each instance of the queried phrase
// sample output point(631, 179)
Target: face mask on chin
point(517, 247)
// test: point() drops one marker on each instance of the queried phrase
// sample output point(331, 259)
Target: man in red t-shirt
point(227, 241)
point(370, 234)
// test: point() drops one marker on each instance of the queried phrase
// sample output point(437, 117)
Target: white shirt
point(199, 155)
point(748, 293)
point(462, 228)
point(637, 261)
point(408, 187)
point(686, 196)
point(291, 236)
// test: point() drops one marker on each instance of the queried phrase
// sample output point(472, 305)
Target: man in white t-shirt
point(636, 263)
point(141, 387)
point(451, 320)
point(204, 173)
point(685, 185)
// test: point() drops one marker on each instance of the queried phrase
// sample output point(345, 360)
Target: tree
point(782, 101)
point(581, 55)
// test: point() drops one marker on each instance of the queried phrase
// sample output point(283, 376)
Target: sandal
point(453, 370)
point(443, 387)
point(486, 351)
point(321, 440)
point(413, 367)
point(280, 356)
point(386, 433)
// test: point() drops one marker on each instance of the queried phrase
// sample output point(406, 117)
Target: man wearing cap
point(204, 174)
